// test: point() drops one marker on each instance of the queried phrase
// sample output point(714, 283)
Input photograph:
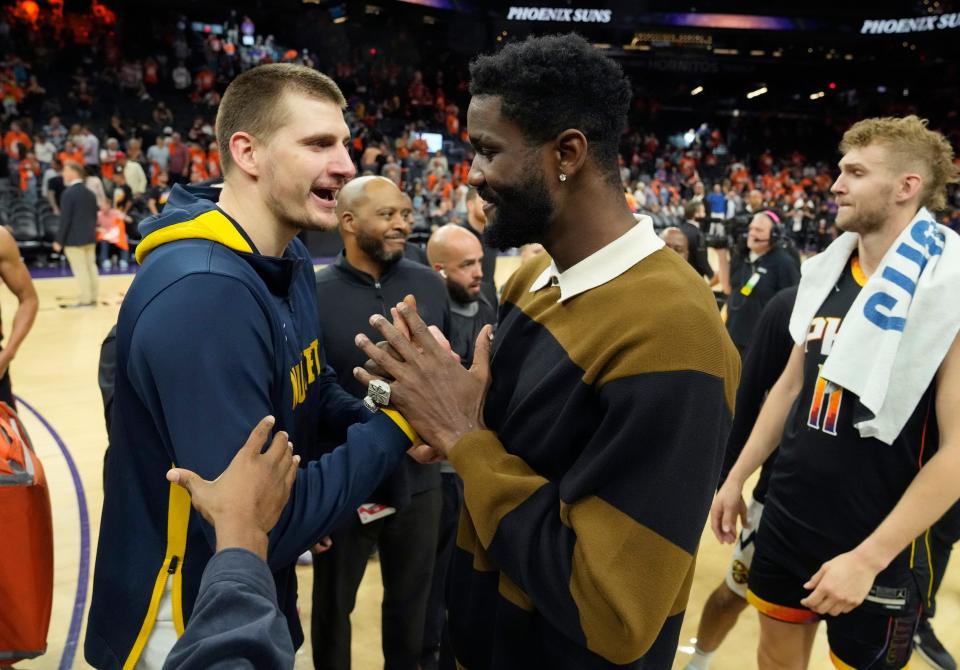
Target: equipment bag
point(26, 548)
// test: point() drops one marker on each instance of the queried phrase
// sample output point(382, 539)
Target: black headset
point(776, 230)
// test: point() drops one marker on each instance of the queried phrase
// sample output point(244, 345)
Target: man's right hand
point(727, 505)
point(244, 503)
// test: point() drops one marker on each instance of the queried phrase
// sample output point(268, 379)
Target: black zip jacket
point(357, 296)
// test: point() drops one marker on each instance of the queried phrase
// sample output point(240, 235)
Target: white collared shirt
point(603, 265)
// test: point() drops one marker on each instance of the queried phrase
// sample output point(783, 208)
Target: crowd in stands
point(140, 125)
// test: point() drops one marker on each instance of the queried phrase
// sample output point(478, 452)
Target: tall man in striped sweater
point(589, 432)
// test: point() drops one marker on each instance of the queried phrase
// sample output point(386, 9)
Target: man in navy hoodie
point(219, 329)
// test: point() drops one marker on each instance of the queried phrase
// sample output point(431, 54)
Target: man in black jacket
point(77, 235)
point(693, 214)
point(402, 520)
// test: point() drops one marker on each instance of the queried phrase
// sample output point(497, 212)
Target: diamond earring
point(563, 177)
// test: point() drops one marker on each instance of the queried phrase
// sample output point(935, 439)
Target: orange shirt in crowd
point(12, 140)
point(197, 155)
point(213, 163)
point(112, 228)
point(824, 181)
point(25, 169)
point(11, 89)
point(76, 156)
point(453, 125)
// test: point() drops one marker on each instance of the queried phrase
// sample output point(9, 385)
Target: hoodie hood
point(191, 213)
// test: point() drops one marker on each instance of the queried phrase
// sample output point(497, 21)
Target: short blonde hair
point(914, 146)
point(253, 102)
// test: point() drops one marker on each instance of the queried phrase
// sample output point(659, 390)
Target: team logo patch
point(740, 572)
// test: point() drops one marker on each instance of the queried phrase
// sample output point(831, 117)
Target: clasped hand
point(428, 386)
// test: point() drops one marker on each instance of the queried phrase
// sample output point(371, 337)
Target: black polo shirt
point(753, 284)
point(347, 297)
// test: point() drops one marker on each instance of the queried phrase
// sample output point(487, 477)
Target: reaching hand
point(401, 325)
point(840, 585)
point(244, 503)
point(727, 506)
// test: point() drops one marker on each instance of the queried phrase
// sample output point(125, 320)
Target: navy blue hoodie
point(213, 336)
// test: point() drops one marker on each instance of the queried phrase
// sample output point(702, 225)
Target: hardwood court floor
point(56, 373)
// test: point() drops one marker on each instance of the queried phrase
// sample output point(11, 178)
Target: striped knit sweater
point(586, 498)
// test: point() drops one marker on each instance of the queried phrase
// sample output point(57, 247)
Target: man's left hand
point(440, 399)
point(840, 585)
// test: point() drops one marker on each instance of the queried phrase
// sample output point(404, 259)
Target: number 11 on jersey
point(825, 395)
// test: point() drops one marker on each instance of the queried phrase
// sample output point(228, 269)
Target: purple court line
point(73, 636)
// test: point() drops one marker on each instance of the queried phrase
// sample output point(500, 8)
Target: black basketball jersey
point(831, 488)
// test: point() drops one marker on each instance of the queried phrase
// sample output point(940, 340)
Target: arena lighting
point(832, 85)
point(753, 94)
point(697, 91)
point(726, 52)
point(817, 95)
point(758, 52)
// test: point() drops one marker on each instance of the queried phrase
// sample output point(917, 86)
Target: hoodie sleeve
point(205, 372)
point(235, 622)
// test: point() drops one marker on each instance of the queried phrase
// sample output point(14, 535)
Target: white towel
point(899, 328)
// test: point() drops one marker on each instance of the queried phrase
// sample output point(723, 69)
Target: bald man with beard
point(370, 276)
point(457, 256)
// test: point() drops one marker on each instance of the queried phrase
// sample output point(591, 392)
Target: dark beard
point(460, 294)
point(522, 214)
point(375, 249)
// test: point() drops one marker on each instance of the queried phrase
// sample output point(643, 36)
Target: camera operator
point(751, 279)
point(694, 214)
